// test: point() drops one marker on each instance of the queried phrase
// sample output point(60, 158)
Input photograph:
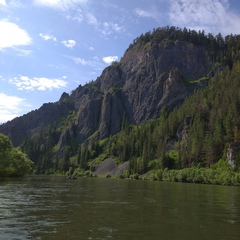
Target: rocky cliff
point(149, 76)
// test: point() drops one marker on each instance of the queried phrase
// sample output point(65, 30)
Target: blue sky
point(48, 47)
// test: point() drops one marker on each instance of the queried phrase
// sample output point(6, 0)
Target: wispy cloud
point(71, 9)
point(109, 28)
point(75, 15)
point(47, 37)
point(62, 5)
point(12, 35)
point(91, 19)
point(37, 83)
point(146, 13)
point(110, 59)
point(7, 4)
point(22, 52)
point(95, 63)
point(81, 61)
point(11, 107)
point(69, 43)
point(78, 10)
point(211, 15)
point(106, 28)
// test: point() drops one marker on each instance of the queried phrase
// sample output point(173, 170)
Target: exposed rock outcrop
point(148, 77)
point(233, 154)
point(108, 166)
point(182, 133)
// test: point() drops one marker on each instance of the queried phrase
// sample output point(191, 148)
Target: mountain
point(157, 73)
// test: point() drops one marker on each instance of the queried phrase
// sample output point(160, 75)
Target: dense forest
point(210, 117)
point(195, 135)
point(198, 133)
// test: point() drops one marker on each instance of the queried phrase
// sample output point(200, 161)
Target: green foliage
point(88, 173)
point(122, 175)
point(153, 175)
point(13, 162)
point(156, 149)
point(117, 91)
point(134, 176)
point(116, 63)
point(218, 173)
point(108, 175)
point(221, 50)
point(213, 114)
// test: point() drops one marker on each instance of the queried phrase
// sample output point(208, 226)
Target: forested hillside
point(198, 132)
point(172, 102)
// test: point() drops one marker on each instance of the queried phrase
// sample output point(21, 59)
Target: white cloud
point(37, 83)
point(144, 13)
point(11, 4)
point(47, 37)
point(11, 107)
point(84, 62)
point(71, 9)
point(95, 63)
point(75, 15)
point(110, 59)
point(12, 35)
point(105, 28)
point(92, 19)
point(91, 48)
point(62, 5)
point(69, 43)
point(3, 2)
point(110, 28)
point(211, 15)
point(22, 52)
point(81, 61)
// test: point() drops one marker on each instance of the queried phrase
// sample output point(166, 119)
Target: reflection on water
point(39, 207)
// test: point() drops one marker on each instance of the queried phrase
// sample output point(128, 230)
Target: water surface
point(46, 207)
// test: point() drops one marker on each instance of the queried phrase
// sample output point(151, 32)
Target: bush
point(120, 175)
point(159, 175)
point(135, 176)
point(108, 175)
point(13, 162)
point(219, 173)
point(88, 173)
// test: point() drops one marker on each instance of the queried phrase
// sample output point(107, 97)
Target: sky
point(48, 47)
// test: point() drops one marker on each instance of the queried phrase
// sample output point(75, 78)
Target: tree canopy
point(13, 162)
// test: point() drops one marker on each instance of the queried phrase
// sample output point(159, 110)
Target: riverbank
point(218, 174)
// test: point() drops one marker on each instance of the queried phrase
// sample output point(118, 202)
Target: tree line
point(224, 50)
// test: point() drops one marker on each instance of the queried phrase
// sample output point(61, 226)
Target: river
point(45, 207)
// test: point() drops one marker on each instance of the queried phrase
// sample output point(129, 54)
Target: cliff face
point(148, 77)
point(155, 75)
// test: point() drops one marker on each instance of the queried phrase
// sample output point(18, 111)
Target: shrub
point(135, 176)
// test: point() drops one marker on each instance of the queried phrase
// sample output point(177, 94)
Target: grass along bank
point(217, 174)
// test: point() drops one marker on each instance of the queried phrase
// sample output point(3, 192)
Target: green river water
point(44, 207)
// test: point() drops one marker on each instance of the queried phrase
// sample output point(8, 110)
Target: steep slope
point(146, 79)
point(200, 132)
point(157, 70)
